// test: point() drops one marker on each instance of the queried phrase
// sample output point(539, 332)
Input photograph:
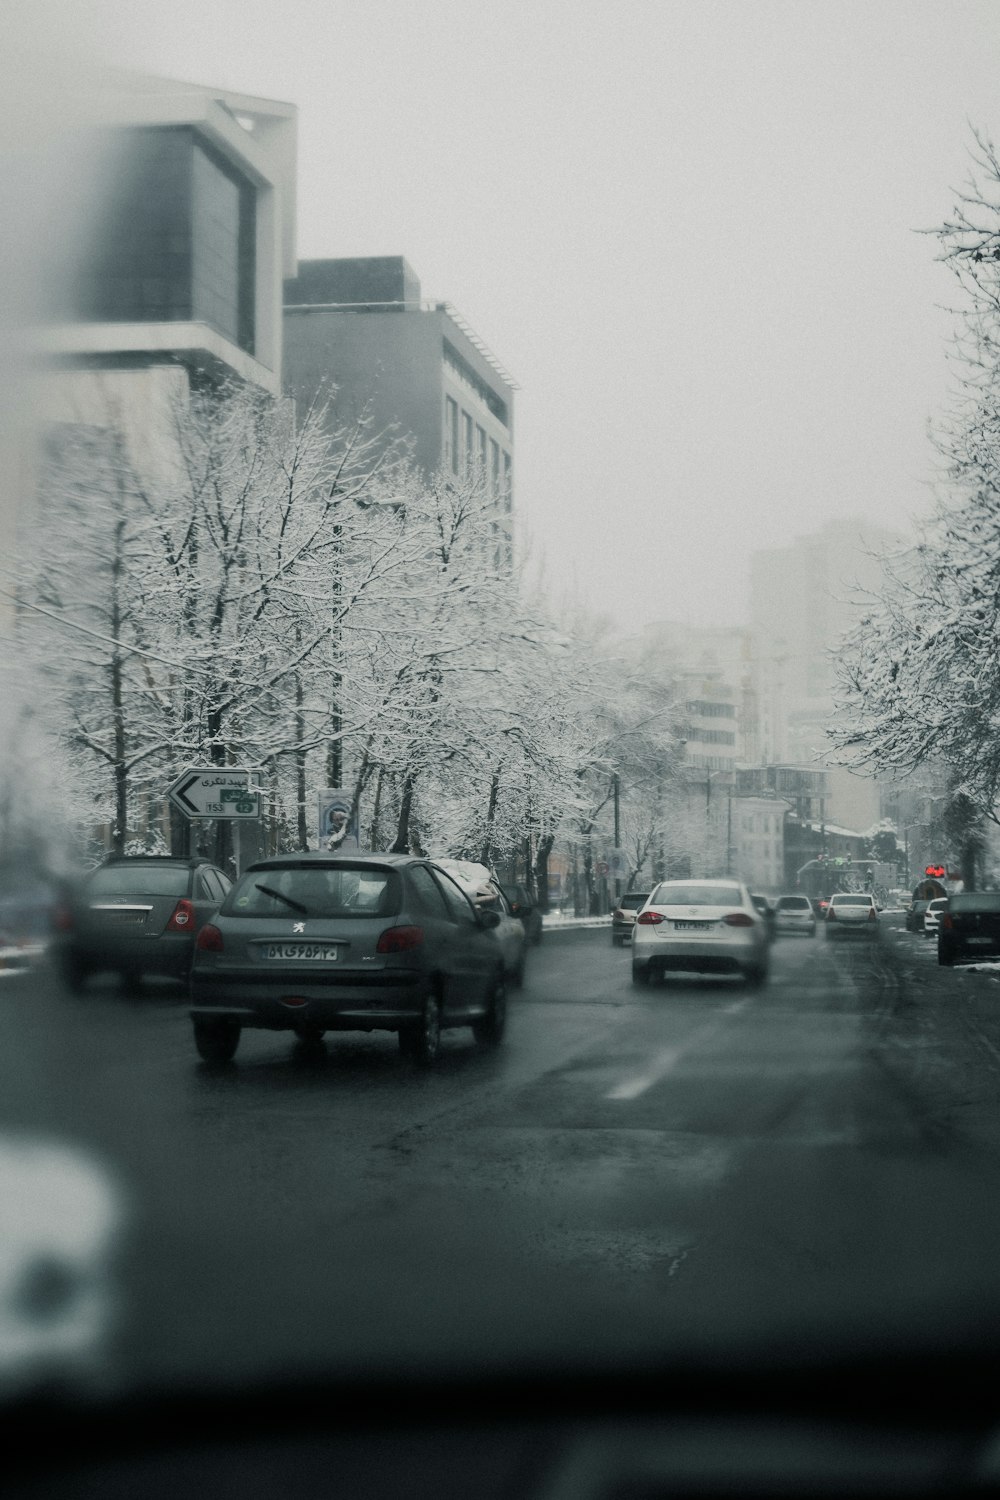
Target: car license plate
point(980, 942)
point(691, 926)
point(301, 951)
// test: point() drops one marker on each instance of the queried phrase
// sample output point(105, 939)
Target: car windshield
point(315, 890)
point(696, 894)
point(139, 880)
point(446, 445)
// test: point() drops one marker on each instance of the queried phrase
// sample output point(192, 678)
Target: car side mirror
point(488, 917)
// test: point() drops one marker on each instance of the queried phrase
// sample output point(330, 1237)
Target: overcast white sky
point(686, 228)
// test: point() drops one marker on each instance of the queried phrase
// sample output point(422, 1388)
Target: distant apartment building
point(360, 328)
point(757, 836)
point(804, 596)
point(714, 673)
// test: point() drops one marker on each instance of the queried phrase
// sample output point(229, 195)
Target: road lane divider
point(668, 1057)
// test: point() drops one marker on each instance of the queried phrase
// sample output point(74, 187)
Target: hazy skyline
point(686, 229)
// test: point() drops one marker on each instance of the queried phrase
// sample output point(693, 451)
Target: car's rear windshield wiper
point(269, 891)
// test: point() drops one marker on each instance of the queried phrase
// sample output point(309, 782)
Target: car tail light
point(182, 917)
point(209, 939)
point(873, 915)
point(648, 918)
point(946, 921)
point(830, 914)
point(400, 940)
point(738, 919)
point(62, 919)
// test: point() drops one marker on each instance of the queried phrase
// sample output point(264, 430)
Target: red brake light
point(873, 915)
point(946, 920)
point(649, 918)
point(209, 939)
point(830, 914)
point(738, 919)
point(62, 919)
point(400, 940)
point(182, 917)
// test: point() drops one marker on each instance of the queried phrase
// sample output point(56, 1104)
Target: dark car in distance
point(310, 943)
point(136, 915)
point(969, 927)
point(525, 908)
point(623, 916)
point(766, 910)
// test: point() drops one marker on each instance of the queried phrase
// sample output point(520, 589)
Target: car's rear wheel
point(489, 1031)
point(422, 1043)
point(944, 957)
point(640, 974)
point(216, 1041)
point(756, 977)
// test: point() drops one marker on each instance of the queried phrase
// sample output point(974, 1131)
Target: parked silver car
point(311, 943)
point(708, 926)
point(794, 913)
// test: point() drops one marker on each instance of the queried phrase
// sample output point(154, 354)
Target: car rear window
point(633, 899)
point(852, 900)
point(678, 894)
point(342, 890)
point(139, 880)
point(975, 901)
point(938, 905)
point(794, 903)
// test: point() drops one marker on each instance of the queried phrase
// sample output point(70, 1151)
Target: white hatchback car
point(932, 916)
point(704, 926)
point(794, 914)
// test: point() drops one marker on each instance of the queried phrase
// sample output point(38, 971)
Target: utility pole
point(616, 783)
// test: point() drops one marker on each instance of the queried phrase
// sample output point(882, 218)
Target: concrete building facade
point(189, 236)
point(359, 330)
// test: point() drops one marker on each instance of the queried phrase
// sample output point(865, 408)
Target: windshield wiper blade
point(270, 891)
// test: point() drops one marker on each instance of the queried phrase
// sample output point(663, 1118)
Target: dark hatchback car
point(311, 943)
point(136, 915)
point(969, 927)
point(624, 914)
point(526, 910)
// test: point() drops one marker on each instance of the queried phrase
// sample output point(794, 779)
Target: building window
point(494, 466)
point(481, 450)
point(468, 450)
point(508, 487)
point(174, 239)
point(451, 434)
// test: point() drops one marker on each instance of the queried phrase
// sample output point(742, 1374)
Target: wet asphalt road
point(688, 1164)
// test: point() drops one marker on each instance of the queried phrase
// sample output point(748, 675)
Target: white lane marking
point(668, 1057)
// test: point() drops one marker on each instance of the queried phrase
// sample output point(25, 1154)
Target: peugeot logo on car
point(298, 927)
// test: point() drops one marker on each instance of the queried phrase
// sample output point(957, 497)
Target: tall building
point(187, 238)
point(803, 597)
point(415, 368)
